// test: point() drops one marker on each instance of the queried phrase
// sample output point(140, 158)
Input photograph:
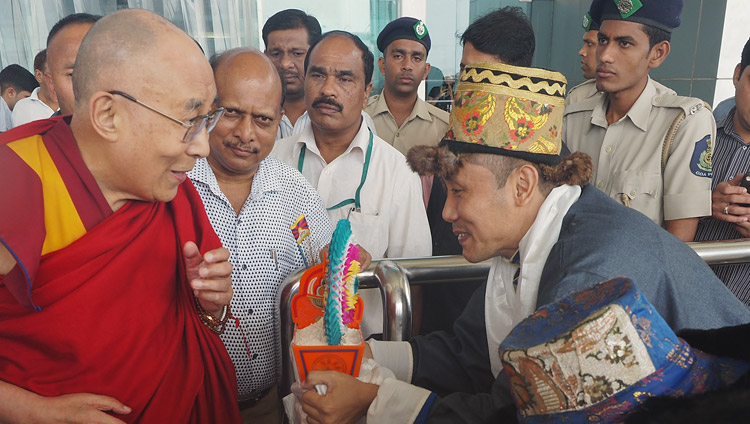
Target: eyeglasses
point(194, 126)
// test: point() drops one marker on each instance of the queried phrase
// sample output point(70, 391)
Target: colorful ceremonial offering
point(327, 311)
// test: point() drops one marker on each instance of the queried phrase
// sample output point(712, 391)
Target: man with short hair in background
point(63, 42)
point(16, 83)
point(504, 35)
point(287, 36)
point(41, 104)
point(358, 175)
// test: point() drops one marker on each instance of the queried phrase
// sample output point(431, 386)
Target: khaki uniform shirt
point(426, 125)
point(627, 154)
point(582, 92)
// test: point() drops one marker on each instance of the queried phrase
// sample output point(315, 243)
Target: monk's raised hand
point(210, 276)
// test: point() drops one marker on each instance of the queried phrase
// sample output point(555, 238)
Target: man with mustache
point(402, 118)
point(358, 175)
point(253, 201)
point(288, 35)
point(651, 148)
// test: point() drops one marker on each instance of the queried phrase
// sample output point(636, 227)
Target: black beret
point(662, 14)
point(405, 28)
point(593, 19)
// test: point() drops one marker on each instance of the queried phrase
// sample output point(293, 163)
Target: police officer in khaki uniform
point(591, 22)
point(651, 148)
point(401, 117)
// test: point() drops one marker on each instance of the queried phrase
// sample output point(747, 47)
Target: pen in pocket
point(275, 258)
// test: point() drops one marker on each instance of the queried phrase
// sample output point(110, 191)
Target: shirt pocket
point(640, 190)
point(370, 231)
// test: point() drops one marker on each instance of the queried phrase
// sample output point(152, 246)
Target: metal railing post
point(396, 295)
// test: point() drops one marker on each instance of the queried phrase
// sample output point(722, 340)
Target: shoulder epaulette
point(584, 105)
point(438, 113)
point(691, 105)
point(372, 99)
point(583, 84)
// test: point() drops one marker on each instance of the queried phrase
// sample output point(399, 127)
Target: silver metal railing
point(394, 276)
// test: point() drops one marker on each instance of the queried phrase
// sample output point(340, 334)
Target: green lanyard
point(356, 200)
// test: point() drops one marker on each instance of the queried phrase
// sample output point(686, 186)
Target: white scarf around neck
point(505, 307)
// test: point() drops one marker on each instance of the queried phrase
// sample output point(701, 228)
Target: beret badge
point(420, 29)
point(628, 7)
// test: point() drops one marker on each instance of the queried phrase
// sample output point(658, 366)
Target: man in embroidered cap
point(651, 148)
point(512, 198)
point(402, 118)
point(590, 23)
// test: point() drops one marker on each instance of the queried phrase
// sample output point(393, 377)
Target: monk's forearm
point(16, 404)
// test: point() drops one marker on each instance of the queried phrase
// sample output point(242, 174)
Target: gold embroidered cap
point(508, 110)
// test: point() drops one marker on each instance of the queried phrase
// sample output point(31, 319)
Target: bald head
point(250, 90)
point(131, 49)
point(247, 63)
point(140, 83)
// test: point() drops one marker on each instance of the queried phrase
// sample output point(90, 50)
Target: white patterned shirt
point(263, 252)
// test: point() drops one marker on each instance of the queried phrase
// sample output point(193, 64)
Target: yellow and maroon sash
point(50, 199)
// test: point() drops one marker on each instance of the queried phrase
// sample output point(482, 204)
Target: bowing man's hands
point(346, 398)
point(210, 276)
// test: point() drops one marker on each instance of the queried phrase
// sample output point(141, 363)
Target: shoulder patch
point(700, 162)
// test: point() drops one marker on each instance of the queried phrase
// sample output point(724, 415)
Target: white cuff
point(396, 356)
point(396, 402)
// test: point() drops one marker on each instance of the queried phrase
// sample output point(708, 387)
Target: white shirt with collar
point(30, 109)
point(392, 222)
point(5, 117)
point(286, 129)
